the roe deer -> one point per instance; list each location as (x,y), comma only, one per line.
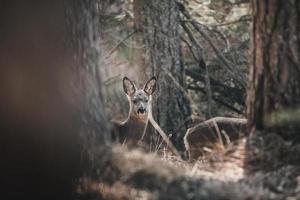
(134,130)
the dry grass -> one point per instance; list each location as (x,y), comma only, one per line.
(225,166)
(218,174)
(218,163)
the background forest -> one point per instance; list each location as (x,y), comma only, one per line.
(227,97)
(207,65)
(222,36)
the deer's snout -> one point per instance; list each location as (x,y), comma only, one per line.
(141,110)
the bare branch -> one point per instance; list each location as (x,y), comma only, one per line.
(219,133)
(213,31)
(163,135)
(220,101)
(204,133)
(119,43)
(245,18)
(235,94)
(235,73)
(201,63)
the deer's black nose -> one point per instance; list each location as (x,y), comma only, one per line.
(141,110)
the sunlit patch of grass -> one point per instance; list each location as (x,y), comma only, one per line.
(225,164)
(283,117)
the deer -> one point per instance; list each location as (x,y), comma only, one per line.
(134,129)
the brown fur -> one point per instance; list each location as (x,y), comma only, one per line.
(131,132)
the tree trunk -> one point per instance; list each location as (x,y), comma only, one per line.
(51,107)
(84,28)
(274,86)
(160,26)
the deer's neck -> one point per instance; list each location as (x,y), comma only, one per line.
(141,119)
(132,117)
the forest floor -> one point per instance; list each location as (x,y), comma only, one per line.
(215,170)
(224,165)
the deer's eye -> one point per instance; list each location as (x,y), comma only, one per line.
(146,100)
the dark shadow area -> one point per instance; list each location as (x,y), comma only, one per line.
(39,144)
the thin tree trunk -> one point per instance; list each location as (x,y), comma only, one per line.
(160,27)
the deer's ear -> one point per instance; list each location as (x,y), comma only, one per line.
(150,86)
(128,86)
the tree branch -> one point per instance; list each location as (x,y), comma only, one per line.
(241,19)
(236,74)
(221,102)
(201,63)
(236,94)
(119,43)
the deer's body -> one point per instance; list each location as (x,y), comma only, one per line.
(134,131)
(131,131)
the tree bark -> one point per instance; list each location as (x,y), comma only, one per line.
(160,26)
(274,86)
(51,111)
(84,28)
(84,25)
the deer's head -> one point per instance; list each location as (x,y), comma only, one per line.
(139,99)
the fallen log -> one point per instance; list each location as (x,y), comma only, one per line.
(207,134)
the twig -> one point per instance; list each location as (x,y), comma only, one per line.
(119,43)
(186,120)
(234,93)
(241,19)
(163,135)
(177,84)
(201,63)
(190,48)
(209,91)
(218,132)
(199,55)
(217,100)
(144,131)
(226,137)
(213,31)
